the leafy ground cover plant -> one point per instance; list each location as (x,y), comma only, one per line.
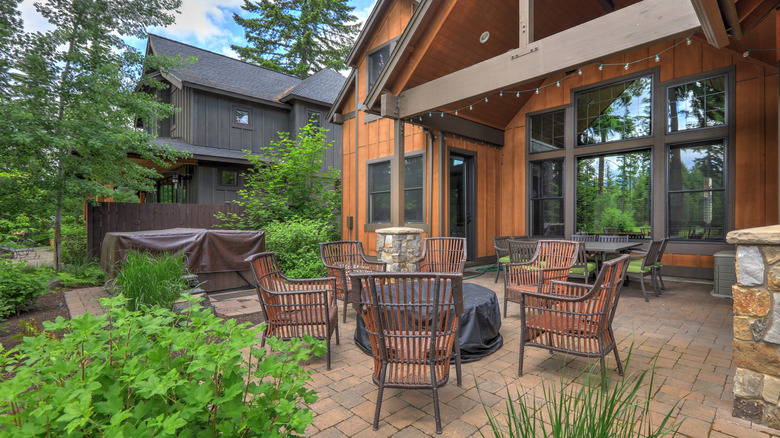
(82,271)
(155,373)
(19,286)
(151,280)
(588,409)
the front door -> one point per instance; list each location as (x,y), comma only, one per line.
(462,202)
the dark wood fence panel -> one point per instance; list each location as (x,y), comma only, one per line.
(110,217)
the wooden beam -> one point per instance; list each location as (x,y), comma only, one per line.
(729,10)
(526,23)
(711,22)
(465,128)
(397,176)
(389,106)
(607,5)
(641,24)
(753,13)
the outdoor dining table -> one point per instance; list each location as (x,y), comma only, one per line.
(605,248)
(479,325)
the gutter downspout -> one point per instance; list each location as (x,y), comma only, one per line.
(429,152)
(357,165)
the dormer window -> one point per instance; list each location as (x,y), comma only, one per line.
(242,117)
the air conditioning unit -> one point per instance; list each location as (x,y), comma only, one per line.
(725,274)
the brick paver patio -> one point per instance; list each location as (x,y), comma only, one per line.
(686,331)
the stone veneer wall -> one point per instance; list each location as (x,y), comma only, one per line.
(757,325)
(400,247)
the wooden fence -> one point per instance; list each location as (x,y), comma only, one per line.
(110,217)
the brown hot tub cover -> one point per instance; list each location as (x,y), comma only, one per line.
(206,250)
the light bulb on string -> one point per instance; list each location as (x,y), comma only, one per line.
(486,99)
(601,66)
(558,84)
(518,94)
(746,54)
(456,112)
(442,114)
(688,41)
(626,67)
(657,58)
(537,91)
(501,94)
(471,107)
(430,114)
(579,72)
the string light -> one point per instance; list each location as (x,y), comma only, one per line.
(746,54)
(471,107)
(501,94)
(518,94)
(657,58)
(456,112)
(486,99)
(537,91)
(579,72)
(601,66)
(626,67)
(688,41)
(430,114)
(442,114)
(558,84)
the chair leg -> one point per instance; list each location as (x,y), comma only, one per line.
(660,279)
(457,359)
(436,412)
(642,282)
(654,277)
(327,345)
(338,341)
(617,359)
(345,307)
(498,271)
(379,395)
(522,350)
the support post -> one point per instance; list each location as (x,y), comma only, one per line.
(397,176)
(526,23)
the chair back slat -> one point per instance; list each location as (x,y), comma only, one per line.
(584,237)
(521,251)
(412,320)
(443,255)
(618,239)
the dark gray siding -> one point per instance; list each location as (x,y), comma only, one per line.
(212,116)
(207,184)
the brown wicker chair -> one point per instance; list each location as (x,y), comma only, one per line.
(342,259)
(521,251)
(501,245)
(575,318)
(293,308)
(443,255)
(552,261)
(412,320)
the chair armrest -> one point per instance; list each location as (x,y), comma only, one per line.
(563,298)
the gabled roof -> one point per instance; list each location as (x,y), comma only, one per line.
(322,86)
(223,73)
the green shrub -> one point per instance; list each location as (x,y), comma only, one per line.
(589,409)
(150,280)
(614,218)
(82,272)
(19,286)
(296,244)
(74,240)
(155,373)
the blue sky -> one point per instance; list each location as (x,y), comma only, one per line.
(202,23)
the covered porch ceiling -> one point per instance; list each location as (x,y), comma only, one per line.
(442,63)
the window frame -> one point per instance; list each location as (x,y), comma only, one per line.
(309,113)
(392,43)
(233,121)
(373,226)
(697,78)
(530,130)
(562,197)
(235,186)
(724,189)
(652,74)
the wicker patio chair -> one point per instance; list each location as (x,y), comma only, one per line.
(412,320)
(659,264)
(583,268)
(501,245)
(643,264)
(293,308)
(443,255)
(521,251)
(584,237)
(552,261)
(342,259)
(575,318)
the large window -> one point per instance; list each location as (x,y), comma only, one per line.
(547,131)
(613,194)
(379,190)
(697,104)
(616,112)
(547,198)
(696,191)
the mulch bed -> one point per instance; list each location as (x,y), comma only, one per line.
(47,308)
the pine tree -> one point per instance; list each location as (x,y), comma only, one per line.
(298,37)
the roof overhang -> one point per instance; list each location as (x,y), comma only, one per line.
(363,39)
(336,107)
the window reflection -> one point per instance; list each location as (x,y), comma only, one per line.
(698,104)
(616,112)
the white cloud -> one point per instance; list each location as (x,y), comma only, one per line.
(202,20)
(33,21)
